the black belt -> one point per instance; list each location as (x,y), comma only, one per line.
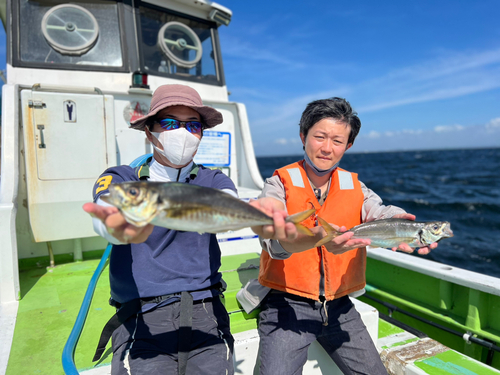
(131,308)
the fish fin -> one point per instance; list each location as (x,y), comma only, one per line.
(331,233)
(304,230)
(300,217)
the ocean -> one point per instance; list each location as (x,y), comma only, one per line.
(459,186)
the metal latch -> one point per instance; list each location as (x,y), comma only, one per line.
(42,139)
(36,104)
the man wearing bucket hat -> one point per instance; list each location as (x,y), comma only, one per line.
(166,284)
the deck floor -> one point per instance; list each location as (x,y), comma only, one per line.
(50,301)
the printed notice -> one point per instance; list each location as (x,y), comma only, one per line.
(214,149)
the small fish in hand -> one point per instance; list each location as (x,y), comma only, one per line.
(187,207)
(389,233)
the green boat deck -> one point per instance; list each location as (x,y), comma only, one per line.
(51,298)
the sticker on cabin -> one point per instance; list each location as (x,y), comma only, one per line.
(214,149)
(135,110)
(69,108)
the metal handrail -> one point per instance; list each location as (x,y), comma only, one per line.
(68,354)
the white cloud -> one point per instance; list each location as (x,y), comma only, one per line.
(450,75)
(284,141)
(373,134)
(246,52)
(411,131)
(495,123)
(281,141)
(440,137)
(448,128)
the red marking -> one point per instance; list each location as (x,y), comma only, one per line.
(137,112)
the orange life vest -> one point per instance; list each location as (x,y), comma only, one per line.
(316,271)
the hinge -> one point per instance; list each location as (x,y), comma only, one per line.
(36,104)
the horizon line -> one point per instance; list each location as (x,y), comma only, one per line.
(391,151)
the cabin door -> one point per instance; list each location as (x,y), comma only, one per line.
(68,142)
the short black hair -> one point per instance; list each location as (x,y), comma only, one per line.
(335,108)
(150,123)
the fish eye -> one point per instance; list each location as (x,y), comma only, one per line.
(435,227)
(133,192)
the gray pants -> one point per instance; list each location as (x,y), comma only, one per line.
(288,324)
(147,343)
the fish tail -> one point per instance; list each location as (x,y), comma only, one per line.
(304,230)
(331,233)
(300,217)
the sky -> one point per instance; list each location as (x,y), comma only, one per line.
(420,74)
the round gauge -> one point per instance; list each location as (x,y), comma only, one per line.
(70,29)
(180,44)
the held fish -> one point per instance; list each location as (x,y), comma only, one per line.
(186,207)
(389,233)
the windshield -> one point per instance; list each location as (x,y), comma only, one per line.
(83,33)
(176,46)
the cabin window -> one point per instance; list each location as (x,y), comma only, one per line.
(82,34)
(175,46)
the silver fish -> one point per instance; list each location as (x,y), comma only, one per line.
(389,233)
(187,207)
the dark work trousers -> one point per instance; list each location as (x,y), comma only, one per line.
(147,343)
(289,324)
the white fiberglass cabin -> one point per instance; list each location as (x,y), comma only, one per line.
(77,73)
(67,104)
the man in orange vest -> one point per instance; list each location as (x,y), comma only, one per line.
(310,286)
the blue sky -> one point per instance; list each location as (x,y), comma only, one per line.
(420,74)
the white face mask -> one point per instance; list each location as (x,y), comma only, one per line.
(179,145)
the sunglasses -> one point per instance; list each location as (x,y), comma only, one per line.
(194,127)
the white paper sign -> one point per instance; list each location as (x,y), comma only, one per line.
(214,149)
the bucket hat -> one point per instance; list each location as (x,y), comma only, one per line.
(170,95)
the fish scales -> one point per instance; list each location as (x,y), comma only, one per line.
(214,220)
(390,233)
(188,207)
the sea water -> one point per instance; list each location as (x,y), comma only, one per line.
(459,186)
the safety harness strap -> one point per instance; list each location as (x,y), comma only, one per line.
(126,311)
(131,308)
(185,325)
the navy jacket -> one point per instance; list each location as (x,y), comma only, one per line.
(169,261)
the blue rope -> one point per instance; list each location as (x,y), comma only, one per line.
(68,360)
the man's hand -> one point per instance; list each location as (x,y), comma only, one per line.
(116,224)
(407,249)
(343,243)
(280,230)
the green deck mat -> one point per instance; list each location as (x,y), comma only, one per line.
(51,299)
